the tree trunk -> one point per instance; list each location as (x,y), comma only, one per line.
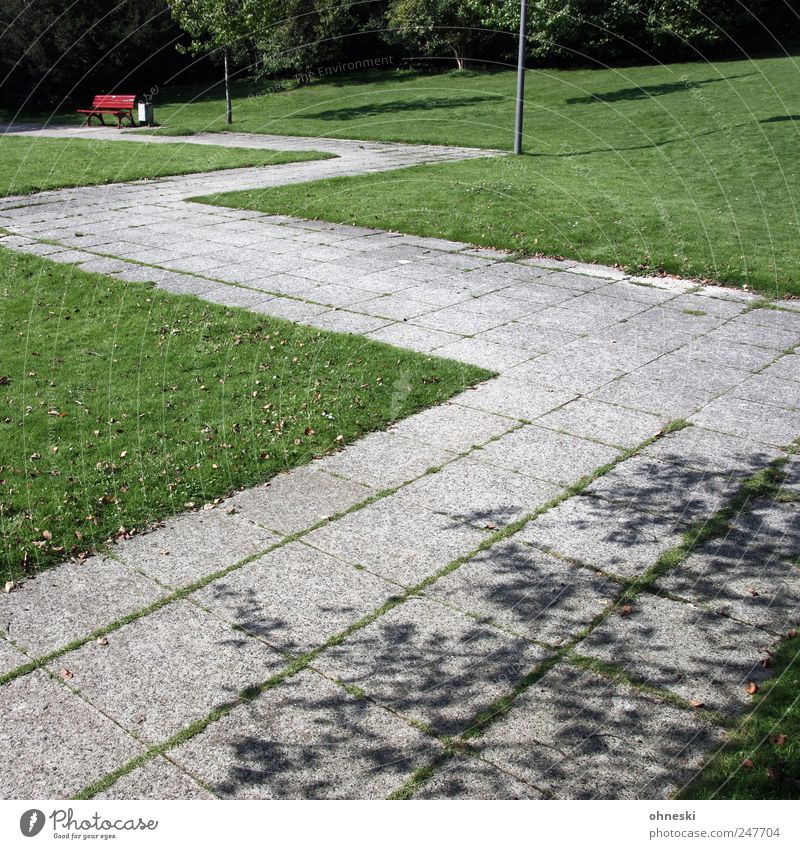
(228,104)
(461,62)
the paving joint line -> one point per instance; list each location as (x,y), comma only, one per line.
(305,660)
(760,481)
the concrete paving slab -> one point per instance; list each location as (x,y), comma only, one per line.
(505,396)
(384,459)
(474,779)
(697,654)
(158,674)
(608,536)
(528,592)
(737,577)
(604,422)
(480,494)
(677,493)
(547,455)
(749,420)
(58,606)
(52,743)
(398,539)
(306,739)
(296,500)
(774,526)
(579,736)
(657,398)
(156,779)
(194,545)
(431,664)
(453,427)
(711,451)
(296,597)
(10,657)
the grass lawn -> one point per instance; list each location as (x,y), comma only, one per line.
(690,168)
(762,758)
(120,404)
(30,164)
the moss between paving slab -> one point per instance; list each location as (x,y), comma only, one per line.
(722,776)
(303,661)
(762,484)
(121,404)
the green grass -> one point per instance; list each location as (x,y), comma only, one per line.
(29,164)
(761,760)
(689,169)
(121,404)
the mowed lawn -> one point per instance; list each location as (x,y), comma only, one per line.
(121,404)
(690,169)
(32,164)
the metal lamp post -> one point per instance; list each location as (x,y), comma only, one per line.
(523,20)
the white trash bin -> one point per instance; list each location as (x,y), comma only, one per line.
(145,114)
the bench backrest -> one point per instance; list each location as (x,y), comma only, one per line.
(114,101)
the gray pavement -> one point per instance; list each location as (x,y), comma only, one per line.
(271,651)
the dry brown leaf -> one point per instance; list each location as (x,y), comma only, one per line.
(780,740)
(696,703)
(47,535)
(751,688)
(10,585)
(102,641)
(65,673)
(625,610)
(747,764)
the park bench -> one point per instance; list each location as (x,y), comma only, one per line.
(118,105)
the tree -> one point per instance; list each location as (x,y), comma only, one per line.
(224,25)
(567,31)
(55,54)
(307,34)
(433,26)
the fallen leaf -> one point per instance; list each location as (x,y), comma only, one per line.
(747,764)
(780,740)
(625,610)
(65,673)
(696,703)
(751,688)
(47,535)
(102,641)
(774,773)
(791,633)
(10,585)
(752,591)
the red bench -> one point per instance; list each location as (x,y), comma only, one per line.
(119,105)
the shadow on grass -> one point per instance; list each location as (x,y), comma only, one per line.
(371,110)
(648,91)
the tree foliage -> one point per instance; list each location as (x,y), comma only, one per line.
(437,27)
(624,30)
(55,53)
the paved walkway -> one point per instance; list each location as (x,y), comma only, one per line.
(332,633)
